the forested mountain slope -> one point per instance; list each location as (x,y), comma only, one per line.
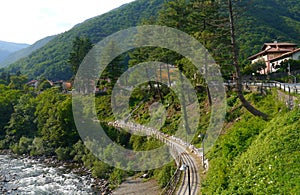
(258,22)
(51,60)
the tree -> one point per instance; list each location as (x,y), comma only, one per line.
(4,77)
(255,67)
(8,100)
(45,103)
(238,77)
(288,65)
(18,81)
(43,85)
(58,127)
(22,119)
(81,46)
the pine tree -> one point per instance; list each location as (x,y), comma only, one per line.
(238,77)
(81,46)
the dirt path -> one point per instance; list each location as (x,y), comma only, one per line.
(137,186)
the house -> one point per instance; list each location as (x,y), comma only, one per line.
(33,83)
(63,85)
(294,55)
(273,54)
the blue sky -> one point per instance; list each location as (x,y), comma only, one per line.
(27,21)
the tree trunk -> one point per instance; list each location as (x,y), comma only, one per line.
(239,86)
(150,84)
(183,106)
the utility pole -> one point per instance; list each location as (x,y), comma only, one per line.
(289,73)
(203,157)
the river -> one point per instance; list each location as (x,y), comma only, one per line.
(27,176)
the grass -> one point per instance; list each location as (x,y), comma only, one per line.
(256,156)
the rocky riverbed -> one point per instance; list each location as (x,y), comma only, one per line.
(32,175)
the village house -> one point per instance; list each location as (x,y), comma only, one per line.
(275,53)
(294,55)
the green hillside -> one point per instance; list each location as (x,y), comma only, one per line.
(51,60)
(256,156)
(258,22)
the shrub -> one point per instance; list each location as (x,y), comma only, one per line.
(23,147)
(165,174)
(116,177)
(63,153)
(39,147)
(100,170)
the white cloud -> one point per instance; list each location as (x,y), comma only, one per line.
(26,21)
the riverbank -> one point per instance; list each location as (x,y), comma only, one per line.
(98,186)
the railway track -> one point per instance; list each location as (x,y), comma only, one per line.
(181,150)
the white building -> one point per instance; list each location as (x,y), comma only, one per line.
(273,53)
(293,55)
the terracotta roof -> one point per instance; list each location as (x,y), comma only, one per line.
(273,50)
(278,44)
(279,50)
(289,44)
(285,55)
(269,50)
(258,54)
(31,82)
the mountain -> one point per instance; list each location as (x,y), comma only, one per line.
(6,48)
(51,60)
(257,22)
(15,56)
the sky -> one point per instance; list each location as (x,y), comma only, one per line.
(27,21)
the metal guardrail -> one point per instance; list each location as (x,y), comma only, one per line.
(286,87)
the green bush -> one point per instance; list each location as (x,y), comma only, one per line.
(78,151)
(63,153)
(3,144)
(116,177)
(23,147)
(165,174)
(40,147)
(100,170)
